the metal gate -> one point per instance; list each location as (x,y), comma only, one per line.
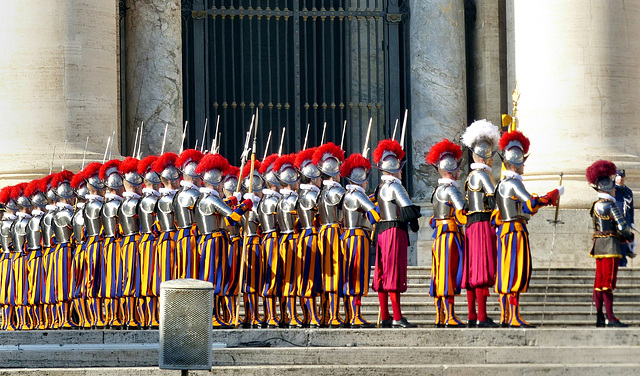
(300,62)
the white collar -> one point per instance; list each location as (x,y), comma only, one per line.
(9,217)
(390,179)
(150,191)
(353,187)
(606,196)
(480,166)
(446,181)
(285,191)
(78,205)
(23,215)
(512,174)
(51,207)
(112,196)
(36,212)
(330,183)
(268,192)
(167,191)
(130,194)
(188,184)
(63,205)
(309,187)
(210,191)
(91,197)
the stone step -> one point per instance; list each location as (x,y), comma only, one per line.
(542,280)
(551,288)
(563,317)
(525,297)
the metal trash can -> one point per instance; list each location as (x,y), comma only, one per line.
(186,320)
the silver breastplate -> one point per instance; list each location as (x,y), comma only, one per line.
(479,184)
(354,209)
(77,223)
(164,213)
(510,196)
(128,216)
(47,228)
(329,208)
(34,237)
(19,233)
(110,218)
(146,213)
(62,225)
(250,223)
(307,208)
(92,218)
(209,213)
(286,213)
(183,205)
(605,214)
(391,196)
(267,209)
(446,199)
(5,233)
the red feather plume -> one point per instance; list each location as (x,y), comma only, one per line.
(164,161)
(304,155)
(283,160)
(129,164)
(145,164)
(233,171)
(515,136)
(61,177)
(44,183)
(268,161)
(247,168)
(353,161)
(391,145)
(211,162)
(5,194)
(18,190)
(599,170)
(189,155)
(330,148)
(109,164)
(91,169)
(77,180)
(444,146)
(32,188)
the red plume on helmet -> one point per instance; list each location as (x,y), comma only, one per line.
(91,169)
(213,162)
(44,183)
(268,161)
(283,160)
(600,169)
(247,168)
(164,161)
(61,177)
(145,164)
(33,187)
(330,148)
(5,194)
(354,161)
(188,156)
(233,171)
(18,190)
(388,145)
(77,180)
(130,164)
(114,163)
(304,155)
(514,136)
(443,147)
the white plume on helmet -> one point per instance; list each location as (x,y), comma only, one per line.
(481,129)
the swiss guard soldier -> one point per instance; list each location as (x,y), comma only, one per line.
(111,282)
(148,240)
(93,245)
(447,220)
(234,250)
(611,229)
(479,270)
(359,213)
(310,282)
(19,266)
(6,271)
(327,159)
(288,177)
(183,206)
(272,264)
(78,265)
(130,256)
(48,259)
(515,206)
(624,199)
(396,213)
(62,221)
(253,263)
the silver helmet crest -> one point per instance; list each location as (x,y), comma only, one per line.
(39,199)
(389,162)
(212,176)
(64,190)
(152,177)
(514,153)
(230,182)
(288,174)
(481,137)
(133,178)
(24,202)
(170,173)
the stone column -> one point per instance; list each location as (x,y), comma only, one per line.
(154,72)
(577,68)
(438,83)
(59,82)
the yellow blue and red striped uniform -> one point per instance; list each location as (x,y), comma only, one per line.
(48,288)
(94,258)
(166,267)
(310,278)
(129,270)
(213,249)
(234,259)
(332,256)
(5,265)
(20,288)
(147,253)
(64,283)
(252,283)
(291,272)
(356,244)
(187,257)
(34,295)
(78,266)
(272,266)
(112,281)
(447,258)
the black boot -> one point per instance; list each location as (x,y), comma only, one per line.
(600,323)
(616,324)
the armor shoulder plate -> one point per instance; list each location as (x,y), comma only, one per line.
(355,200)
(269,204)
(148,204)
(480,180)
(62,218)
(165,204)
(187,198)
(514,187)
(288,203)
(34,223)
(92,210)
(334,195)
(110,208)
(308,200)
(210,204)
(129,207)
(455,197)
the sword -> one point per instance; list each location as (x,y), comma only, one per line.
(84,156)
(184,134)
(324,129)
(304,147)
(214,145)
(266,148)
(404,128)
(365,150)
(106,150)
(53,157)
(64,154)
(140,142)
(344,128)
(164,138)
(135,143)
(555,223)
(284,130)
(204,133)
(395,128)
(243,158)
(196,147)
(113,139)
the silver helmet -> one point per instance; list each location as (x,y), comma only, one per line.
(11,205)
(113,179)
(270,176)
(230,182)
(64,190)
(448,163)
(24,202)
(189,169)
(483,149)
(481,137)
(514,153)
(308,169)
(170,173)
(95,181)
(82,192)
(133,178)
(51,195)
(39,199)
(329,165)
(389,162)
(605,184)
(212,176)
(152,177)
(258,183)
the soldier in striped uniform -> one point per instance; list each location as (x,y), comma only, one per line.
(78,265)
(6,272)
(19,265)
